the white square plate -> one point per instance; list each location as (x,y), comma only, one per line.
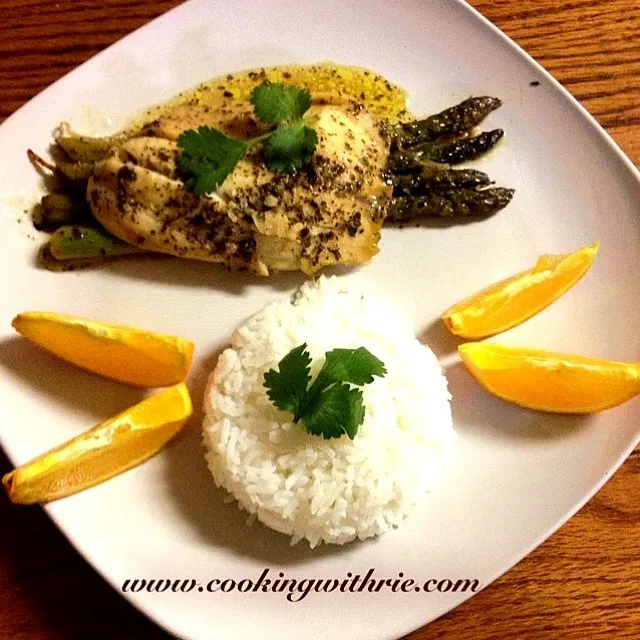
(517,476)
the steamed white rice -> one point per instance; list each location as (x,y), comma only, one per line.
(303,485)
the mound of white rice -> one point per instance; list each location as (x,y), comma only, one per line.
(303,485)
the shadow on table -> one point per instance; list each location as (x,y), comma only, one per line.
(48,588)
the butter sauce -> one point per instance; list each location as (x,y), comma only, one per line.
(325,81)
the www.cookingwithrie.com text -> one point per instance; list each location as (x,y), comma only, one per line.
(297,589)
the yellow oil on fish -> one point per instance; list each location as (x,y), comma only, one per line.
(376,93)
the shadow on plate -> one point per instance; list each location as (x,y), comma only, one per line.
(439,339)
(195,273)
(171,271)
(192,490)
(64,384)
(176,272)
(477,413)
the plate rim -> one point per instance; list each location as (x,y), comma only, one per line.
(152,613)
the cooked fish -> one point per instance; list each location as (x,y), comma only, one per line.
(372,163)
(329,213)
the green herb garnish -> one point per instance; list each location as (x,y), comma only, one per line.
(276,103)
(290,147)
(330,407)
(209,156)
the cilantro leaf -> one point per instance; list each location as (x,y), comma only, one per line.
(287,387)
(208,157)
(330,407)
(357,366)
(338,411)
(275,103)
(289,147)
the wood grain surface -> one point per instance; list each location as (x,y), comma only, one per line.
(583,583)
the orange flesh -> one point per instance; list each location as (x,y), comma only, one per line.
(510,302)
(129,355)
(548,381)
(104,451)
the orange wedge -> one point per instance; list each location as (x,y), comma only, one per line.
(137,357)
(547,381)
(108,449)
(509,302)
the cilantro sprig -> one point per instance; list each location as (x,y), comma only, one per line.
(331,407)
(276,103)
(209,156)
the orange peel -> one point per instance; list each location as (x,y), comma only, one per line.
(510,302)
(126,354)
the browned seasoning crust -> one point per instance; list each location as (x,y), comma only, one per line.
(328,213)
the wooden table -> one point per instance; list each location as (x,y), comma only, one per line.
(582,583)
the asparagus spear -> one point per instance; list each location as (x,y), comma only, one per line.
(454,121)
(70,264)
(85,148)
(437,178)
(462,150)
(462,202)
(76,170)
(455,152)
(71,170)
(74,242)
(57,209)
